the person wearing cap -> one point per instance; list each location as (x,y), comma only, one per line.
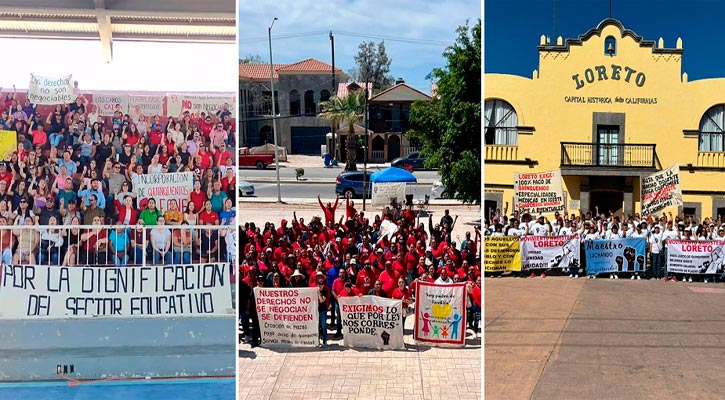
(48,211)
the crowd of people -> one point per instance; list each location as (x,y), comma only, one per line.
(353,256)
(73,166)
(655,230)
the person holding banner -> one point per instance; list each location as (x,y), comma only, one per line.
(323,296)
(403,293)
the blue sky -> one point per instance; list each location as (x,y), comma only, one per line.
(430,23)
(512,29)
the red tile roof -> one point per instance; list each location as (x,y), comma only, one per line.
(342,88)
(261,71)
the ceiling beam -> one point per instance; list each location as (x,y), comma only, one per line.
(116,13)
(104,30)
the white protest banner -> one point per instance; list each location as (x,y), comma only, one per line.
(176,103)
(440,314)
(384,192)
(165,187)
(387,229)
(288,316)
(110,103)
(50,90)
(574,205)
(539,193)
(695,256)
(145,105)
(661,190)
(539,252)
(372,322)
(39,291)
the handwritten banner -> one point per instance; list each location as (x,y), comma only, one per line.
(440,314)
(35,291)
(619,255)
(539,193)
(542,252)
(383,192)
(165,187)
(501,253)
(372,322)
(110,103)
(177,103)
(288,317)
(695,256)
(145,105)
(8,144)
(661,190)
(50,90)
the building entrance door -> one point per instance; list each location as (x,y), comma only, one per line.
(607,201)
(608,145)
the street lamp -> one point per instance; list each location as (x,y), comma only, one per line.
(274,113)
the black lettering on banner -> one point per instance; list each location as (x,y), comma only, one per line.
(63,282)
(38,305)
(21,276)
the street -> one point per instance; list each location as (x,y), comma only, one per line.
(315,173)
(325,190)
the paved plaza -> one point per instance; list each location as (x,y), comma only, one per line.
(562,338)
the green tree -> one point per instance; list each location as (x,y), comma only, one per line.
(449,125)
(350,109)
(251,59)
(372,65)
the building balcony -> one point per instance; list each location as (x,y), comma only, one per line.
(390,125)
(603,159)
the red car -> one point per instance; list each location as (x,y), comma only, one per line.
(260,161)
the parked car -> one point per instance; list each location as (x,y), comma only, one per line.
(247,159)
(413,159)
(245,188)
(352,182)
(437,191)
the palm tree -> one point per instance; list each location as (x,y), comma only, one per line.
(351,109)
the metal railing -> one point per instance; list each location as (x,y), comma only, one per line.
(608,155)
(410,149)
(378,155)
(117,245)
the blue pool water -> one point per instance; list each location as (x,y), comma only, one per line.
(197,389)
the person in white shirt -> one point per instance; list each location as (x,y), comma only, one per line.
(669,234)
(443,278)
(542,227)
(591,234)
(514,229)
(566,230)
(656,248)
(613,234)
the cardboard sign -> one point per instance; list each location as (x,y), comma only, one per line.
(8,144)
(372,322)
(288,317)
(539,193)
(164,187)
(35,291)
(50,90)
(440,314)
(661,190)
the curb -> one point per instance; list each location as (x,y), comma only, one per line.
(317,180)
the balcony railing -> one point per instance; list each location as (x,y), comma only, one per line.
(608,155)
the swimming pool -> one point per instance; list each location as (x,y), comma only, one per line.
(191,389)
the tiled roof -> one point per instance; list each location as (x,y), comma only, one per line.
(258,71)
(385,93)
(343,88)
(309,65)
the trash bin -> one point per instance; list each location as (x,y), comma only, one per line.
(326,157)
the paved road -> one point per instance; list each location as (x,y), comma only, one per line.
(560,338)
(311,190)
(288,173)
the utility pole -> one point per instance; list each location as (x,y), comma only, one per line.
(274,113)
(333,153)
(365,148)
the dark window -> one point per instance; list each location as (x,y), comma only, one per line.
(294,102)
(500,123)
(712,130)
(310,106)
(324,95)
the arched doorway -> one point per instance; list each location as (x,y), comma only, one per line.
(294,102)
(378,149)
(393,147)
(265,135)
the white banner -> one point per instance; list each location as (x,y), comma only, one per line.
(288,317)
(539,193)
(35,291)
(384,192)
(539,252)
(176,103)
(695,256)
(50,90)
(164,187)
(145,105)
(661,190)
(440,314)
(110,103)
(372,322)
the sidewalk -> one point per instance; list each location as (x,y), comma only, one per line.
(286,180)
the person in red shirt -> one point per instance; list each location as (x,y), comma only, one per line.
(5,176)
(389,278)
(403,293)
(197,196)
(349,207)
(329,210)
(229,182)
(207,216)
(221,155)
(474,293)
(349,291)
(205,126)
(204,157)
(40,138)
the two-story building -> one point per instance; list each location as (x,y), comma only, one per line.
(607,109)
(299,89)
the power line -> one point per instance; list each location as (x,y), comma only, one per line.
(395,38)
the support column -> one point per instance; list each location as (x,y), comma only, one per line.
(628,204)
(584,201)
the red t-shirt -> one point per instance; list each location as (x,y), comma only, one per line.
(39,138)
(352,293)
(402,294)
(198,199)
(389,281)
(205,160)
(208,217)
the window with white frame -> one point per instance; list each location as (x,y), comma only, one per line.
(501,123)
(712,129)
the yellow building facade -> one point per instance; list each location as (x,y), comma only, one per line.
(607,109)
